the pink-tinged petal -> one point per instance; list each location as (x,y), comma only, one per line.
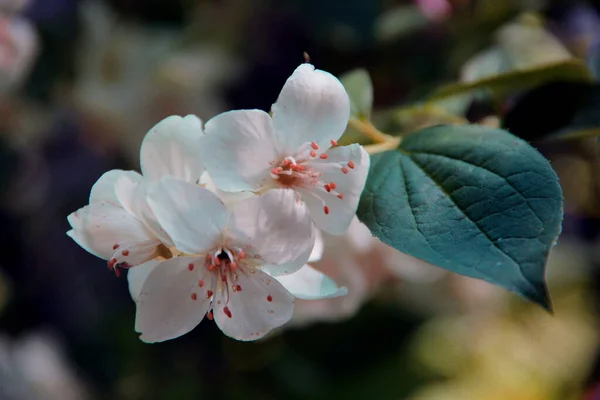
(173,299)
(347,167)
(275,226)
(172,148)
(104,188)
(192,216)
(239,149)
(260,305)
(136,277)
(313,106)
(229,198)
(104,227)
(309,284)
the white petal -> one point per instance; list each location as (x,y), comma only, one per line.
(229,198)
(134,197)
(239,149)
(313,106)
(103,227)
(192,216)
(350,185)
(172,148)
(262,305)
(276,226)
(317,251)
(136,277)
(309,284)
(104,188)
(171,302)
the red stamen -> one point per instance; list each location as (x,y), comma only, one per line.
(332,185)
(326,209)
(201,283)
(116,246)
(125,253)
(238,288)
(323,156)
(111,263)
(209,315)
(194,296)
(333,142)
(117,272)
(314,146)
(313,153)
(340,196)
(191,266)
(209,294)
(269,298)
(344,170)
(351,164)
(227,312)
(327,187)
(233,266)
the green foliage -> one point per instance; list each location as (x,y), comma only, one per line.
(476,201)
(360,90)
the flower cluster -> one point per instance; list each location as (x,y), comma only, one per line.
(223,218)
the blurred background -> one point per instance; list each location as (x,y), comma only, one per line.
(82,81)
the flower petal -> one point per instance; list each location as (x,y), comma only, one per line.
(104,188)
(134,197)
(276,227)
(341,202)
(313,106)
(261,305)
(309,284)
(192,216)
(136,277)
(317,251)
(172,148)
(239,149)
(103,227)
(171,302)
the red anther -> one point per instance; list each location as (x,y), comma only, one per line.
(211,267)
(326,209)
(201,283)
(314,146)
(351,164)
(116,246)
(191,266)
(327,187)
(209,294)
(340,196)
(332,185)
(238,288)
(233,266)
(194,296)
(269,298)
(125,253)
(313,153)
(217,261)
(117,272)
(209,315)
(344,170)
(323,156)
(227,312)
(111,263)
(333,142)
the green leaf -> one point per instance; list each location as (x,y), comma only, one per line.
(476,201)
(360,90)
(502,84)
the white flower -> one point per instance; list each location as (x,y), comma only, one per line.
(118,225)
(296,148)
(228,262)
